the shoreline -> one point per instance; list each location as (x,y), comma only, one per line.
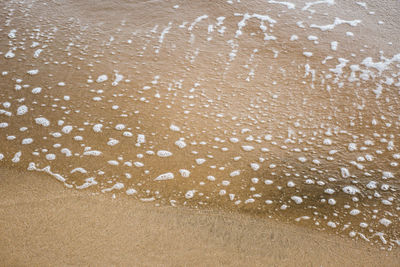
(234,111)
(48,224)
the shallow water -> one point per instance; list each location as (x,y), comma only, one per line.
(285,110)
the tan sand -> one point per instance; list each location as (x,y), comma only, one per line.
(44,224)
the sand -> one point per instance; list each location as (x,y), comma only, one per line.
(43,224)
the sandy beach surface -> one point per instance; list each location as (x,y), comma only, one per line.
(199,133)
(45,224)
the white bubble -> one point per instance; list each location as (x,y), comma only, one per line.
(22,110)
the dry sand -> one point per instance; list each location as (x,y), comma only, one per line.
(43,224)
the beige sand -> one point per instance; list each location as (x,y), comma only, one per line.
(44,224)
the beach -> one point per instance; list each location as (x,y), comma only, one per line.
(45,224)
(210,133)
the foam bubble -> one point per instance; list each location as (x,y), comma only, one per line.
(164,176)
(174,128)
(22,110)
(27,141)
(102,78)
(164,153)
(351,190)
(36,90)
(184,173)
(297,199)
(42,121)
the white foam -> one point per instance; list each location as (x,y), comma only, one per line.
(309,4)
(197,20)
(372,185)
(308,54)
(234,139)
(119,127)
(297,199)
(302,159)
(113,162)
(345,172)
(354,212)
(164,32)
(67,152)
(50,157)
(200,161)
(118,78)
(32,167)
(180,143)
(116,186)
(22,110)
(334,45)
(33,72)
(387,175)
(246,17)
(184,173)
(88,182)
(79,169)
(112,142)
(190,194)
(36,90)
(352,147)
(250,200)
(67,129)
(174,128)
(337,22)
(131,191)
(291,184)
(97,127)
(255,166)
(164,176)
(234,173)
(141,139)
(362,4)
(102,78)
(9,54)
(331,224)
(138,164)
(92,153)
(351,190)
(268,137)
(163,153)
(127,134)
(17,157)
(27,141)
(287,4)
(385,222)
(211,178)
(381,66)
(42,121)
(247,148)
(225,183)
(37,52)
(12,34)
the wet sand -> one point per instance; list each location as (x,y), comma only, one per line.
(45,224)
(277,119)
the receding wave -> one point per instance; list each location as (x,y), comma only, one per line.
(284,110)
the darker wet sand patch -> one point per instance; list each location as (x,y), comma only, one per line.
(45,224)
